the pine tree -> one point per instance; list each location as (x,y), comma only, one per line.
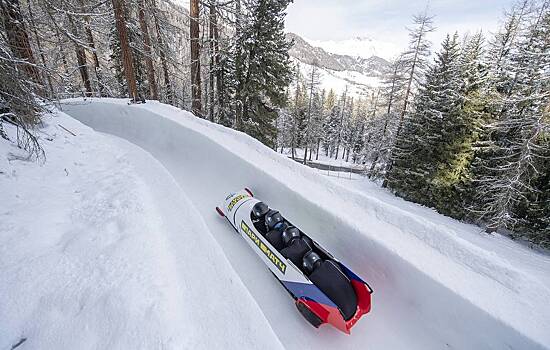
(512,160)
(432,134)
(264,68)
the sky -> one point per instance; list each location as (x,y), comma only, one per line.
(385,21)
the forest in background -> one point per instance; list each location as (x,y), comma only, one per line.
(464,130)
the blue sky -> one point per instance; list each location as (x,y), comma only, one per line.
(387,20)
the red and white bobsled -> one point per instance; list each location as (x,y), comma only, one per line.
(324,289)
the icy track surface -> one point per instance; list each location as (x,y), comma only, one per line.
(438,284)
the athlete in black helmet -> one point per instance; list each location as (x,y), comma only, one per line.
(259,210)
(311,261)
(290,234)
(274,220)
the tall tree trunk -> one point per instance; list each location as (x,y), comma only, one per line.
(238,69)
(80,58)
(341,121)
(18,40)
(127,59)
(313,70)
(62,52)
(153,90)
(39,45)
(196,104)
(93,51)
(318,147)
(219,72)
(213,38)
(163,60)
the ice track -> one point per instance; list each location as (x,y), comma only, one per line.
(432,290)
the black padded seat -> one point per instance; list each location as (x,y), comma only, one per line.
(296,251)
(275,237)
(331,280)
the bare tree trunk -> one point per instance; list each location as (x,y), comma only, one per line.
(313,70)
(392,91)
(341,121)
(93,51)
(39,44)
(238,70)
(294,117)
(213,38)
(196,104)
(318,147)
(163,61)
(80,58)
(63,56)
(91,44)
(127,59)
(219,73)
(18,40)
(153,90)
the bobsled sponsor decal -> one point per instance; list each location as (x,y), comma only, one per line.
(264,248)
(235,201)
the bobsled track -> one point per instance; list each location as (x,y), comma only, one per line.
(432,289)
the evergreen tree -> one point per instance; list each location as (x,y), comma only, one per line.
(512,162)
(432,134)
(264,68)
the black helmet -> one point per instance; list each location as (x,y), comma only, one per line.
(311,261)
(273,220)
(259,210)
(290,234)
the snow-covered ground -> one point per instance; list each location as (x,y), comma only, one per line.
(101,249)
(145,262)
(323,159)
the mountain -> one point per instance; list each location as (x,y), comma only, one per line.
(360,74)
(362,46)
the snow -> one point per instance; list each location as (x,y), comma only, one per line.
(323,159)
(359,46)
(358,83)
(94,276)
(101,249)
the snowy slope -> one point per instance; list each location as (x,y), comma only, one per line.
(101,249)
(359,46)
(358,84)
(437,285)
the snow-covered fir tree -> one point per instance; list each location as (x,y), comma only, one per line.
(512,162)
(265,68)
(433,134)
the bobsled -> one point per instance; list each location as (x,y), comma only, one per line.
(325,291)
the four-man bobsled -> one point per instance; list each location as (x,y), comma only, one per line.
(324,289)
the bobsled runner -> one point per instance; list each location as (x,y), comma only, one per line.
(324,289)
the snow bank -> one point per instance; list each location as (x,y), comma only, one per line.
(433,288)
(101,249)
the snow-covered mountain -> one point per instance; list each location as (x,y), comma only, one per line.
(360,74)
(362,46)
